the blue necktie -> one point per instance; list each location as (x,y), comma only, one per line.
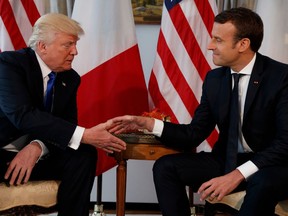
(233,134)
(49,91)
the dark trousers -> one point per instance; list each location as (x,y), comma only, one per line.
(173,172)
(76,171)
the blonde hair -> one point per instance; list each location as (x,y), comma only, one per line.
(48,25)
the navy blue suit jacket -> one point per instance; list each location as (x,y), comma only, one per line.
(265,120)
(21,101)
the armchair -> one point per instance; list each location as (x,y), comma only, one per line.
(232,202)
(33,196)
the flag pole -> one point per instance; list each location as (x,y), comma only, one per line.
(98,207)
(99,189)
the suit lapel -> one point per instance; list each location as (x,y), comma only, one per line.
(254,83)
(61,88)
(64,87)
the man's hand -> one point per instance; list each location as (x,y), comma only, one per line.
(220,186)
(99,137)
(20,168)
(127,123)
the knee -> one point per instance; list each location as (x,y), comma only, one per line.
(260,184)
(90,155)
(160,164)
(85,156)
(162,167)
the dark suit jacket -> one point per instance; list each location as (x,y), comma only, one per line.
(265,120)
(21,101)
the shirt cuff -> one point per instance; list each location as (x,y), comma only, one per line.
(158,127)
(76,138)
(45,150)
(247,169)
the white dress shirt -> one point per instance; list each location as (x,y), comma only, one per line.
(248,168)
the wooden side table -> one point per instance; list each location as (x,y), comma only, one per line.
(139,150)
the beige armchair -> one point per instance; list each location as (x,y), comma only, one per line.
(235,200)
(35,195)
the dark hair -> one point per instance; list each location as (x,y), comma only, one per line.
(248,24)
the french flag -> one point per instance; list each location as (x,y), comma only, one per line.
(108,61)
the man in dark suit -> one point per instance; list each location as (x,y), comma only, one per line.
(38,142)
(261,150)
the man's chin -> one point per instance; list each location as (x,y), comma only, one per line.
(217,62)
(68,67)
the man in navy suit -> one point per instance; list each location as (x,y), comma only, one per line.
(262,155)
(36,143)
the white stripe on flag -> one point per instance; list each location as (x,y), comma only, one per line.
(5,40)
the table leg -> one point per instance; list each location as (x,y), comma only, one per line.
(121,187)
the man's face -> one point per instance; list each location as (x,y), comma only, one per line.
(225,49)
(59,54)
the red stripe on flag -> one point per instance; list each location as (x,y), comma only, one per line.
(188,39)
(31,11)
(175,75)
(11,25)
(158,99)
(212,138)
(206,13)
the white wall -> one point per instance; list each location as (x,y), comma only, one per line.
(274,16)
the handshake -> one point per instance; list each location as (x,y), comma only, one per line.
(102,136)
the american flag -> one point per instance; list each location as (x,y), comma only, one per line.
(16,20)
(182,60)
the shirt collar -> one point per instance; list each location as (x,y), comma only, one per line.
(44,68)
(247,70)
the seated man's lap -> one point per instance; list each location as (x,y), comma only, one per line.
(270,180)
(192,168)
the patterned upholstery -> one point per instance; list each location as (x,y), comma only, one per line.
(34,193)
(235,200)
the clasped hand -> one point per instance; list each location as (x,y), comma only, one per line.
(128,123)
(99,137)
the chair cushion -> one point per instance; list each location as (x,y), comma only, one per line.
(40,193)
(235,201)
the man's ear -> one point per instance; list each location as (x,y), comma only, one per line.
(244,44)
(41,47)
